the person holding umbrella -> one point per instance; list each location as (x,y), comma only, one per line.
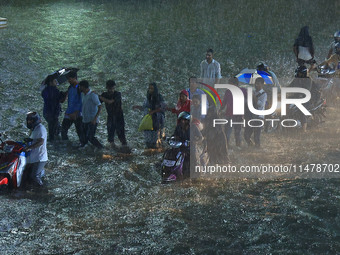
(52,106)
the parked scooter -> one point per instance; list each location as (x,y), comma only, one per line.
(175,161)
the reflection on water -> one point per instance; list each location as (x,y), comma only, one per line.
(114,204)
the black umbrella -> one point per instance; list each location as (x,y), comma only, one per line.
(60,75)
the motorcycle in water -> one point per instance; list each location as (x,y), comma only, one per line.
(12,163)
(318,112)
(175,161)
(329,83)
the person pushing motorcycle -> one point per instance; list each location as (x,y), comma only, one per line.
(333,62)
(302,80)
(37,157)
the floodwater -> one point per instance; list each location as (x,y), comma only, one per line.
(108,203)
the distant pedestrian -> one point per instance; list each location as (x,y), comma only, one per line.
(210,68)
(194,90)
(334,61)
(91,108)
(196,108)
(183,103)
(155,106)
(234,121)
(210,72)
(259,100)
(115,117)
(304,48)
(52,106)
(332,46)
(215,138)
(37,157)
(73,113)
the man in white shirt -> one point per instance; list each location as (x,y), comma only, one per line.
(37,157)
(260,98)
(210,69)
(91,108)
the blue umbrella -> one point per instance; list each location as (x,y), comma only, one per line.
(244,77)
(249,76)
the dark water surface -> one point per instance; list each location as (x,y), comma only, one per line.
(115,205)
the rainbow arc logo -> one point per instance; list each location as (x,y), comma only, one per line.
(213,90)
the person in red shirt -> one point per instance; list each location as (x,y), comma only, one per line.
(183,103)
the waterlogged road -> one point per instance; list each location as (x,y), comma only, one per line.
(194,217)
(107,203)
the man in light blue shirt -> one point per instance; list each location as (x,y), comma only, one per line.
(91,108)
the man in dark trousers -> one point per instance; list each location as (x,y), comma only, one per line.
(227,104)
(52,106)
(91,108)
(115,117)
(73,111)
(259,101)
